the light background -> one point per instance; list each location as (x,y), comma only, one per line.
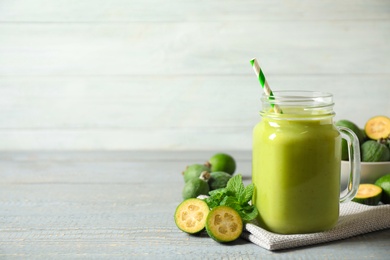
(175,74)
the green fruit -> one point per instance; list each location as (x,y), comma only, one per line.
(222,162)
(218,180)
(356,130)
(344,150)
(373,151)
(195,187)
(368,194)
(353,127)
(384,183)
(378,127)
(224,224)
(365,138)
(191,215)
(193,171)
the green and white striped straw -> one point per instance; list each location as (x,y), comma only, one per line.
(264,84)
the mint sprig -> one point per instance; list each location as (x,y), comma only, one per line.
(236,196)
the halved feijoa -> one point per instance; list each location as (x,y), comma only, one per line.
(191,215)
(224,224)
(378,127)
(369,194)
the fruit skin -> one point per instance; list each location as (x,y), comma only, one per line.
(191,215)
(373,151)
(218,180)
(222,162)
(368,194)
(384,183)
(356,130)
(344,150)
(377,127)
(224,224)
(193,171)
(195,187)
(353,127)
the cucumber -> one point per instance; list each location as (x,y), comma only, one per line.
(224,224)
(368,194)
(191,215)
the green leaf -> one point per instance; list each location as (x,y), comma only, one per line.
(246,196)
(249,213)
(236,196)
(235,185)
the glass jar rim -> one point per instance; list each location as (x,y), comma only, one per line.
(298,96)
(297,104)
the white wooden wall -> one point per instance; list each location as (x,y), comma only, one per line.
(175,74)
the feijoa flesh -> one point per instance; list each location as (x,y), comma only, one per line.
(368,194)
(378,127)
(224,224)
(191,215)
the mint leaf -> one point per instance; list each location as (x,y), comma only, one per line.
(231,202)
(249,213)
(236,196)
(235,185)
(247,194)
(216,196)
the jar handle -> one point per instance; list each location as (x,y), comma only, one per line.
(354,164)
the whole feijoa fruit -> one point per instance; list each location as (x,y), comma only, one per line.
(384,183)
(193,171)
(196,186)
(358,132)
(218,180)
(349,124)
(373,151)
(222,162)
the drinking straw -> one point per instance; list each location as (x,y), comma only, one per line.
(264,84)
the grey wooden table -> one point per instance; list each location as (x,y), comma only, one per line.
(121,205)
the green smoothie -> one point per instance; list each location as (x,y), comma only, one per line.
(296,173)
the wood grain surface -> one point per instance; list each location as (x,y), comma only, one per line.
(175,74)
(120,205)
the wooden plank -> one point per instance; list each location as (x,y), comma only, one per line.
(190,10)
(129,216)
(128,75)
(192,113)
(287,47)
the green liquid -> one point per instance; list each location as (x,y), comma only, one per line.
(296,173)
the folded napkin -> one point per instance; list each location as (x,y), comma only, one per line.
(355,219)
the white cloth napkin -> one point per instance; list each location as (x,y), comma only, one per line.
(355,219)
